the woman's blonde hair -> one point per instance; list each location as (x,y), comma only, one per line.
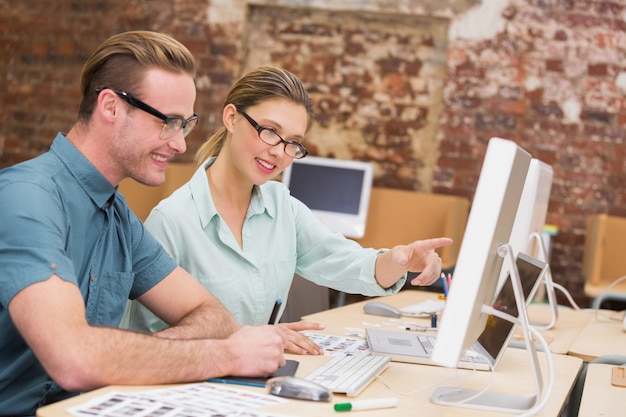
(261,84)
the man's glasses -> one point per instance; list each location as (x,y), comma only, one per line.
(171,124)
(268,135)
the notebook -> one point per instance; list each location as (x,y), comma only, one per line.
(412,347)
(289,369)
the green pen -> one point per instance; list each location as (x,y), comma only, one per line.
(367,404)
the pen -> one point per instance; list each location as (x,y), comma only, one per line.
(444,284)
(417,328)
(251,383)
(274,314)
(367,404)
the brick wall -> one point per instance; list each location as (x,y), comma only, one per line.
(417,87)
(549,81)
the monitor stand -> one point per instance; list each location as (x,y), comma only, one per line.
(547,282)
(496,401)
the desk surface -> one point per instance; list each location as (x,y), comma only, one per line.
(412,384)
(600,336)
(600,397)
(512,377)
(568,326)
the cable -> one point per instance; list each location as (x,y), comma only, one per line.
(489,385)
(604,294)
(544,257)
(567,295)
(456,376)
(544,344)
(548,391)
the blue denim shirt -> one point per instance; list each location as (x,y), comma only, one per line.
(61,216)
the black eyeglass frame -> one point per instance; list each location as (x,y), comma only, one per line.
(259,129)
(167,120)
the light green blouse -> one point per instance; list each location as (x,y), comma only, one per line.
(281,236)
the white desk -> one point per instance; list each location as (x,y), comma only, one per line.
(411,384)
(600,397)
(600,336)
(512,376)
(568,327)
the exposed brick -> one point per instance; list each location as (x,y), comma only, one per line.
(368,71)
(554,65)
(599,70)
(508,106)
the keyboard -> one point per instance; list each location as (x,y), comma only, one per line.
(349,374)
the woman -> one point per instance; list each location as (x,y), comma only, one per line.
(243,236)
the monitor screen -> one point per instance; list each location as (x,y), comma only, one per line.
(337,191)
(478,266)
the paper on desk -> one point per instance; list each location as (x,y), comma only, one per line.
(423,308)
(339,345)
(191,400)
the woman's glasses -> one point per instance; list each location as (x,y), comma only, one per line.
(268,135)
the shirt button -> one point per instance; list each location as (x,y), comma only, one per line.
(255,271)
(53,267)
(92,277)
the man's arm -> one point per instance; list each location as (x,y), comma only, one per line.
(50,315)
(195,314)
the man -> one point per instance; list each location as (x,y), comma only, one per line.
(72,253)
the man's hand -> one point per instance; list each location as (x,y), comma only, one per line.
(257,350)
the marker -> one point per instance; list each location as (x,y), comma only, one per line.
(417,328)
(433,320)
(274,314)
(367,404)
(445,284)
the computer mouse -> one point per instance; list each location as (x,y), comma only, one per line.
(377,308)
(298,388)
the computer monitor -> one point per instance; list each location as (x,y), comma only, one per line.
(337,191)
(527,234)
(469,305)
(478,266)
(532,211)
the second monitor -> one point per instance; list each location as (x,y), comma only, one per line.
(337,191)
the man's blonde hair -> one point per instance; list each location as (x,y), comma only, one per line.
(121,61)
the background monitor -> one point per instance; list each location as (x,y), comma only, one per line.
(477,271)
(337,191)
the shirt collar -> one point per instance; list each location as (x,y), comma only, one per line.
(204,201)
(88,177)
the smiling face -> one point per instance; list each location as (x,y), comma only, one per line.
(255,161)
(138,150)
